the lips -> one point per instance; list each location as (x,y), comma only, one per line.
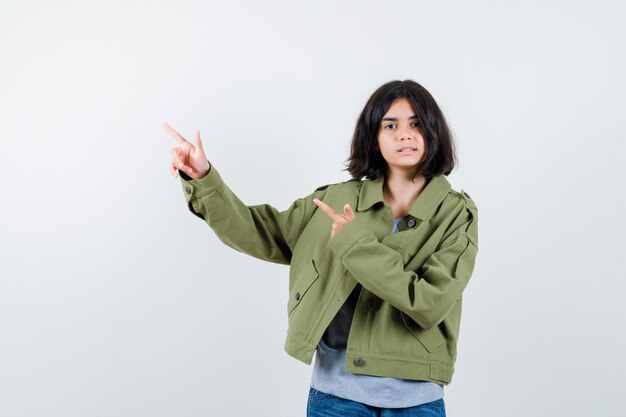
(407,148)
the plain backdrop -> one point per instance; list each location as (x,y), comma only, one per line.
(116,301)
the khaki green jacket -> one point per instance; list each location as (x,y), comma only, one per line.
(406,322)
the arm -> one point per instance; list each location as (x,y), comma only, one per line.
(426,298)
(258,230)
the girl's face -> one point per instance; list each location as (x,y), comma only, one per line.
(399,139)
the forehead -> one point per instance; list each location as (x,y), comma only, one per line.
(400,107)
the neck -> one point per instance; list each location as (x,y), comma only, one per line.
(400,188)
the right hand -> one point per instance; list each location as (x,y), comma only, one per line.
(188,157)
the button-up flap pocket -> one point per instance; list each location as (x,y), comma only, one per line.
(306,278)
(429,338)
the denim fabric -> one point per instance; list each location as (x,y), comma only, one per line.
(321,404)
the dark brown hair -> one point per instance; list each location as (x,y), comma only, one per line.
(367,161)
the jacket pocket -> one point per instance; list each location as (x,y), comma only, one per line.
(306,277)
(429,338)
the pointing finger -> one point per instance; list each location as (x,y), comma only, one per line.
(177,136)
(326,209)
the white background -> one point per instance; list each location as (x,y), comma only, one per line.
(116,301)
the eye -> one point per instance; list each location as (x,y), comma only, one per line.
(416,124)
(390,124)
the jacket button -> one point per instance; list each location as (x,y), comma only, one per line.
(412,223)
(359,362)
(297,296)
(188,190)
(371,304)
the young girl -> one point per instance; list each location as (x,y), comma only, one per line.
(378,263)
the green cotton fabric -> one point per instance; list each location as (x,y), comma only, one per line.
(407,318)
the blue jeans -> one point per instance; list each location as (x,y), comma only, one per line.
(322,404)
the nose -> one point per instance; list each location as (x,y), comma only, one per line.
(405,134)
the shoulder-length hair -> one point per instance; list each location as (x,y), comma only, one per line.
(367,161)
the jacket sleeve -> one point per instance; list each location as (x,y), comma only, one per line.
(426,298)
(259,230)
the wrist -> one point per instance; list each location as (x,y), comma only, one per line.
(196,175)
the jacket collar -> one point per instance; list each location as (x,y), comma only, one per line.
(433,194)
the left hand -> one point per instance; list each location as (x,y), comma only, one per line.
(339,220)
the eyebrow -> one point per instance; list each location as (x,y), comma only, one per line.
(395,119)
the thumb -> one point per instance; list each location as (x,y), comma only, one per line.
(349,212)
(198,142)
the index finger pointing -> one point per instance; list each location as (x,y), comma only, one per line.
(326,209)
(177,136)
